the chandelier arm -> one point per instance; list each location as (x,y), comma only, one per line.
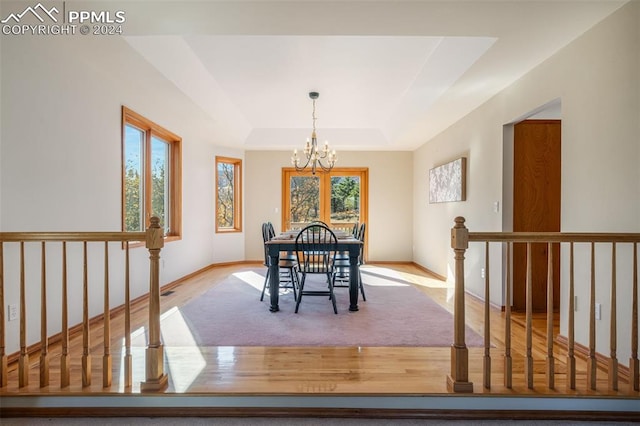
(325,168)
(300,169)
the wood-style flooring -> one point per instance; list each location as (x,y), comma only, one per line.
(314,370)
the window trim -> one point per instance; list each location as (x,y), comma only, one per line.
(130,117)
(237,194)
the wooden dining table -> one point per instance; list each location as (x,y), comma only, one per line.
(286,241)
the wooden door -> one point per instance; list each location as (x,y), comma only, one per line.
(536,207)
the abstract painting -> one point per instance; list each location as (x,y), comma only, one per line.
(448,182)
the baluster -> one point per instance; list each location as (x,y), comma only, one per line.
(458,381)
(634,365)
(23,363)
(128,360)
(486,362)
(4,366)
(65,367)
(106,357)
(86,354)
(529,329)
(44,341)
(550,358)
(592,364)
(613,360)
(508,362)
(156,379)
(571,359)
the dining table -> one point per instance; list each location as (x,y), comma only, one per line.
(286,242)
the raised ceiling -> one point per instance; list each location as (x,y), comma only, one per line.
(391,74)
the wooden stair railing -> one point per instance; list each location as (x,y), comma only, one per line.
(458,380)
(153,238)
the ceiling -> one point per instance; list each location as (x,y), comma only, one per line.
(391,74)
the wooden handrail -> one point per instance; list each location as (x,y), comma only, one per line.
(153,238)
(17,237)
(554,237)
(458,380)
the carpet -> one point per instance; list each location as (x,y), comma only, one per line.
(231,314)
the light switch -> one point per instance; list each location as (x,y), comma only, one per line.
(496,206)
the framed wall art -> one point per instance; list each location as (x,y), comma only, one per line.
(448,182)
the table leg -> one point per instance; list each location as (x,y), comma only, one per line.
(274,281)
(353,281)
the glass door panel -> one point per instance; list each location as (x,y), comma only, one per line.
(304,201)
(338,198)
(345,202)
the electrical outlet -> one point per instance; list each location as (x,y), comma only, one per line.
(13,312)
(598,311)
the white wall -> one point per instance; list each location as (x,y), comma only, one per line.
(597,80)
(61,163)
(390,192)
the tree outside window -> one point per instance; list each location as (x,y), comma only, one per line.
(228,194)
(151,175)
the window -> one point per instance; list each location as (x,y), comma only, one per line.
(338,198)
(151,175)
(228,194)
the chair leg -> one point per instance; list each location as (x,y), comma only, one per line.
(293,275)
(300,292)
(364,298)
(264,287)
(332,296)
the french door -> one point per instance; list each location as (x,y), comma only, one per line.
(338,198)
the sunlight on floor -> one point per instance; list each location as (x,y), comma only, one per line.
(184,367)
(386,276)
(252,278)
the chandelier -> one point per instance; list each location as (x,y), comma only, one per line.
(313,155)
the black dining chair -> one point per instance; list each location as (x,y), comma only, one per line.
(344,255)
(288,276)
(285,255)
(341,275)
(318,222)
(316,247)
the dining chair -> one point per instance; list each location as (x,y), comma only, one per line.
(316,247)
(288,276)
(341,275)
(344,255)
(286,255)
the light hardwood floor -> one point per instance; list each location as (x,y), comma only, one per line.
(326,370)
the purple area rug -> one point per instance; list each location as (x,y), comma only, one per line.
(231,314)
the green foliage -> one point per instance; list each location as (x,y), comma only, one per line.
(159,191)
(345,199)
(134,202)
(132,196)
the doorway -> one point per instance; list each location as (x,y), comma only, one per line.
(339,198)
(536,207)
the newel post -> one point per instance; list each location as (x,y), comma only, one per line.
(458,380)
(156,379)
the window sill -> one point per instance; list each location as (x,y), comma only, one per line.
(228,231)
